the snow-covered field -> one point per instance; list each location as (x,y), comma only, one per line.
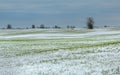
(60,52)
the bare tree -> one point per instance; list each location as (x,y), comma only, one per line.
(68,26)
(42,26)
(9,26)
(57,27)
(72,27)
(33,26)
(90,23)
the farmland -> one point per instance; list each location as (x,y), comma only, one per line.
(60,52)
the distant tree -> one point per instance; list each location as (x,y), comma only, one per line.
(57,27)
(90,23)
(9,26)
(105,26)
(42,26)
(72,27)
(33,26)
(3,28)
(27,27)
(68,26)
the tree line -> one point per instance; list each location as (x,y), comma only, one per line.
(42,26)
(90,25)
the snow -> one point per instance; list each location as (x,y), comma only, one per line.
(67,60)
(46,35)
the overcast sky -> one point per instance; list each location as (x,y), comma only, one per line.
(59,12)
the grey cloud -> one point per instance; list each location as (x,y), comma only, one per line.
(59,11)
